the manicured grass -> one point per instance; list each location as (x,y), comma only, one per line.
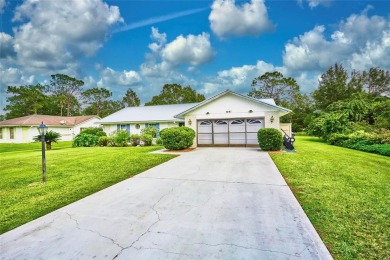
(36,146)
(345,193)
(72,174)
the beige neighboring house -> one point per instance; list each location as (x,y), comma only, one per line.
(23,129)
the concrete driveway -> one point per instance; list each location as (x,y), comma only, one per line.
(212,203)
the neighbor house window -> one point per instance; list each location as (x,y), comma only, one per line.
(12,133)
(1,133)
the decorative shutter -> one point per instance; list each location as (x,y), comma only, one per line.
(118,127)
(128,128)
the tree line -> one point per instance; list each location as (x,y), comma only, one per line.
(358,100)
(342,101)
(64,96)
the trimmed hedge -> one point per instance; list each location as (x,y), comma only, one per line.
(270,139)
(177,138)
(378,143)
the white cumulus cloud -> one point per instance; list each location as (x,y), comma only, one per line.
(359,42)
(166,57)
(111,78)
(228,19)
(238,79)
(6,46)
(193,49)
(54,34)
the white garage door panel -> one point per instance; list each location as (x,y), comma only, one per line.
(237,125)
(205,139)
(205,126)
(220,126)
(237,138)
(253,125)
(221,138)
(251,138)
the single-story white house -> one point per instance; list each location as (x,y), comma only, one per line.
(227,119)
(23,129)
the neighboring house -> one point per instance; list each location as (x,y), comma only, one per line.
(227,119)
(232,119)
(134,119)
(23,129)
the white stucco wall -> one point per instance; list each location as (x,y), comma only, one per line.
(267,122)
(26,134)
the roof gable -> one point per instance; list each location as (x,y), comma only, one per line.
(268,103)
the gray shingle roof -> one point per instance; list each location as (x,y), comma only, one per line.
(147,113)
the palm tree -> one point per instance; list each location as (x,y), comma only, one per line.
(50,136)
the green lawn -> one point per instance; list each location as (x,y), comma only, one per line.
(345,193)
(72,174)
(5,148)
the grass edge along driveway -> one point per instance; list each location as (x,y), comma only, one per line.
(72,174)
(345,194)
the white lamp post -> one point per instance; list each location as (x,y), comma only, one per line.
(42,129)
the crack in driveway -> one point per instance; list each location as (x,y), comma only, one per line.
(154,223)
(90,230)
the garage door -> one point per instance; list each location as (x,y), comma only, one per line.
(229,132)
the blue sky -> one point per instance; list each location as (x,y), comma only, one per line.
(209,45)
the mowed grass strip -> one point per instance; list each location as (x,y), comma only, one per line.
(345,193)
(72,174)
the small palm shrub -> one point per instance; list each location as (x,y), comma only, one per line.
(270,139)
(177,138)
(50,137)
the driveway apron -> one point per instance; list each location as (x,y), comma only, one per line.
(211,203)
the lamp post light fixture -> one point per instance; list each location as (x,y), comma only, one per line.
(42,129)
